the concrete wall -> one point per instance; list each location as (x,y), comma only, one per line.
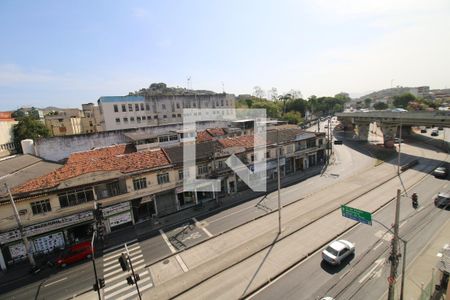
(59,148)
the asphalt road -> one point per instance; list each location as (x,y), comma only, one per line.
(364,276)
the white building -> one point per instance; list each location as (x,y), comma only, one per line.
(124,112)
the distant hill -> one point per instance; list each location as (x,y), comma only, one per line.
(161,89)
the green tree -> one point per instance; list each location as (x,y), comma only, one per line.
(380,106)
(298,105)
(367,102)
(403,100)
(29,128)
(272,109)
(293,117)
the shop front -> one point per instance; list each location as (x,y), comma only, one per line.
(45,237)
(144,208)
(118,216)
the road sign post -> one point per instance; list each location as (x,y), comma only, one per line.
(356,214)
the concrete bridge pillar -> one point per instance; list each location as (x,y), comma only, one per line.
(389,133)
(362,131)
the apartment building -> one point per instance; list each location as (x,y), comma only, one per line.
(123,112)
(7,145)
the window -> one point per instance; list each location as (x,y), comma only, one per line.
(130,107)
(163,178)
(139,183)
(138,119)
(163,139)
(203,169)
(149,117)
(118,120)
(131,119)
(252,157)
(41,207)
(116,108)
(155,117)
(165,117)
(163,106)
(142,106)
(178,105)
(268,154)
(180,174)
(174,115)
(173,138)
(75,197)
(147,106)
(226,102)
(144,118)
(220,164)
(125,120)
(136,106)
(124,108)
(221,102)
(179,115)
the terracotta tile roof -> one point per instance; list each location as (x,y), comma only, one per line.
(245,141)
(106,159)
(216,131)
(209,134)
(203,136)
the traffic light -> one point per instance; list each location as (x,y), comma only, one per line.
(130,280)
(101,282)
(415,201)
(124,262)
(98,212)
(100,231)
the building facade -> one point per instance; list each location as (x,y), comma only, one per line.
(124,112)
(7,145)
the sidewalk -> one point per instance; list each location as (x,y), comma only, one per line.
(421,277)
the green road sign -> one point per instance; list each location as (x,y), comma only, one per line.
(356,214)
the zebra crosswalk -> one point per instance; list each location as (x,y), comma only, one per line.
(116,286)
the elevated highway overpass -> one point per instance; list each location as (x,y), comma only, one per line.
(390,122)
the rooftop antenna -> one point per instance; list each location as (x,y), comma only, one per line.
(223,88)
(189,83)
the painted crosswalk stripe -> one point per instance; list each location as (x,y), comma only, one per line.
(124,281)
(108,256)
(198,224)
(134,292)
(133,257)
(116,292)
(109,280)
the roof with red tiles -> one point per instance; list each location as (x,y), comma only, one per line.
(106,159)
(245,141)
(209,134)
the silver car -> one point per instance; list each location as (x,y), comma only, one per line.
(337,251)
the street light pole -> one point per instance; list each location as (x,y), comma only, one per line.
(93,263)
(394,257)
(279,193)
(22,233)
(403,270)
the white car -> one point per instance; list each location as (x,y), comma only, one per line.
(337,251)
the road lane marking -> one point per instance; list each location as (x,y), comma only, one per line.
(169,244)
(233,213)
(130,249)
(420,208)
(120,275)
(52,283)
(116,248)
(403,223)
(181,262)
(377,245)
(199,225)
(135,266)
(378,262)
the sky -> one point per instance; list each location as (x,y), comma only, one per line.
(65,53)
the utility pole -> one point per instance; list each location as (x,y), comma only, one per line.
(399,150)
(279,192)
(97,284)
(394,255)
(22,233)
(403,270)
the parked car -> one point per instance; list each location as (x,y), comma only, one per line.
(440,172)
(337,142)
(74,254)
(337,251)
(423,131)
(442,199)
(434,132)
(440,128)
